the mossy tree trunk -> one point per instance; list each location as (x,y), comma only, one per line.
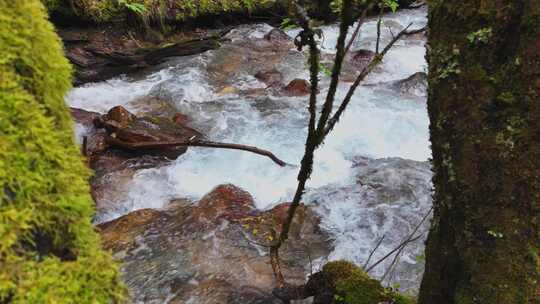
(484,107)
(49,250)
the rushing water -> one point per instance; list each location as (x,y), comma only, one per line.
(380,122)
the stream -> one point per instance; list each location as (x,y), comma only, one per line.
(385,126)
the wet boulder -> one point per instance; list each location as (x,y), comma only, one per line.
(354,63)
(270,77)
(276,34)
(297,87)
(145,134)
(361,58)
(209,252)
(92,139)
(415,85)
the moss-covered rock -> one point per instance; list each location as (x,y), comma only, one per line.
(49,251)
(351,285)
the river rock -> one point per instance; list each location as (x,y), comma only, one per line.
(152,106)
(208,252)
(361,58)
(354,63)
(415,85)
(297,87)
(136,134)
(270,77)
(277,35)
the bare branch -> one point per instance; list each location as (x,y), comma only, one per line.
(417,31)
(373,251)
(195,143)
(379,22)
(374,62)
(411,238)
(356,32)
(336,69)
(307,38)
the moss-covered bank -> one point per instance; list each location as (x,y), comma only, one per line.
(484,108)
(49,251)
(102,11)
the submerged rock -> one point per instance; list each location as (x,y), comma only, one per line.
(208,252)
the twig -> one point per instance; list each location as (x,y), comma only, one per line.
(373,251)
(379,22)
(417,5)
(398,247)
(310,260)
(411,238)
(84,147)
(336,69)
(396,257)
(195,143)
(417,31)
(306,165)
(356,32)
(392,268)
(374,62)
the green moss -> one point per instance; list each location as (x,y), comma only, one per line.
(50,5)
(156,10)
(352,285)
(49,251)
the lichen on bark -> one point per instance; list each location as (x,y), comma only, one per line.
(49,251)
(484,92)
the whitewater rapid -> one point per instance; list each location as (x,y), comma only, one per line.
(379,123)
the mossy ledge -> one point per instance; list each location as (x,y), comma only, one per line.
(155,11)
(351,285)
(49,251)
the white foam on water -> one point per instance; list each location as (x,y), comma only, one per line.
(375,125)
(102,96)
(379,123)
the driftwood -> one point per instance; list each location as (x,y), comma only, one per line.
(150,145)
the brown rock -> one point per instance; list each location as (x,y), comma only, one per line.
(120,116)
(270,77)
(297,87)
(225,201)
(181,119)
(151,106)
(137,134)
(277,35)
(361,58)
(84,117)
(207,252)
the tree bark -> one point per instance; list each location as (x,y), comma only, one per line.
(484,108)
